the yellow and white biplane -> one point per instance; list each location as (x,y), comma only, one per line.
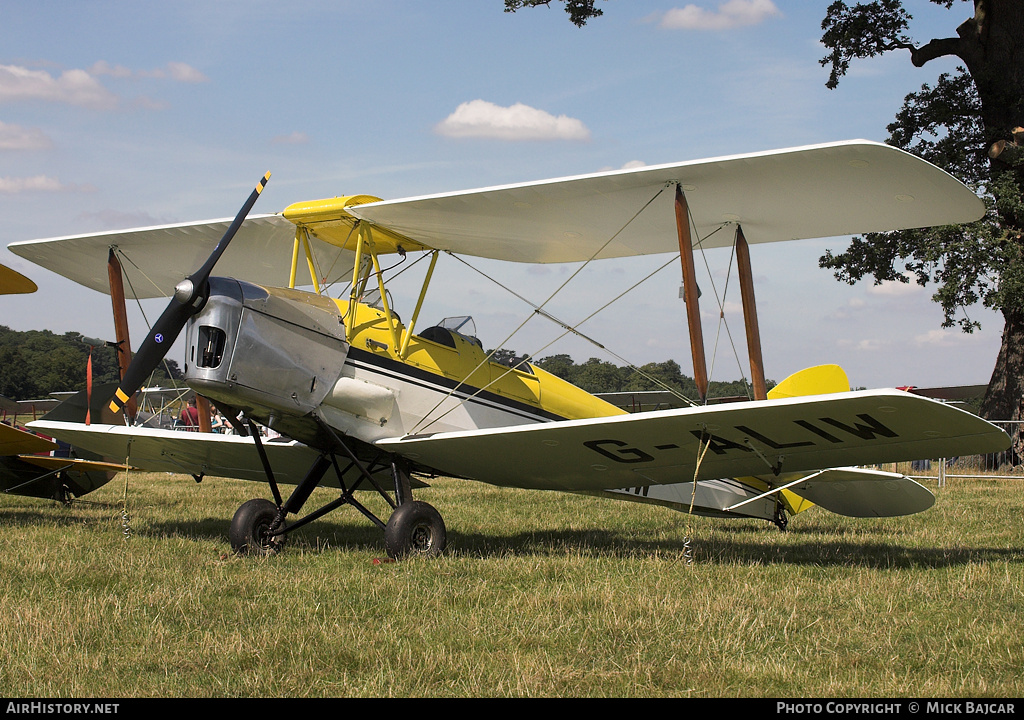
(365,400)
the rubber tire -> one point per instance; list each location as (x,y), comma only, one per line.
(251,520)
(415,529)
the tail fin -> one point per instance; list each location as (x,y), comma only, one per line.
(73,409)
(818,380)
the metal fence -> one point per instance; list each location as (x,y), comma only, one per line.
(1005,465)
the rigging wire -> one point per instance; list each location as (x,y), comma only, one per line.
(722,322)
(538,310)
(569,329)
(573,329)
(578,270)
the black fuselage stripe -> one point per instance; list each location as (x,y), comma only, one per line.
(438,383)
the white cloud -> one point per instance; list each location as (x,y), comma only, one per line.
(631,165)
(934,337)
(177,71)
(294,138)
(75,87)
(895,288)
(38,183)
(182,72)
(15,137)
(731,14)
(102,67)
(482,119)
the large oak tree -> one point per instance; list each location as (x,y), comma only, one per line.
(967,122)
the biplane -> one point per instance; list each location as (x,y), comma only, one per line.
(366,400)
(32,465)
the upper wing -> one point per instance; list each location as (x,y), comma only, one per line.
(732,440)
(157,258)
(810,192)
(194,453)
(13,282)
(815,191)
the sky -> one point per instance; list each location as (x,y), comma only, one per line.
(124,114)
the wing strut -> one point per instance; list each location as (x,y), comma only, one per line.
(774,491)
(691,295)
(117,301)
(750,316)
(700,370)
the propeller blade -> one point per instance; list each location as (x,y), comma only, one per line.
(189,297)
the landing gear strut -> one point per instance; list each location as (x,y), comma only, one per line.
(414,527)
(781,520)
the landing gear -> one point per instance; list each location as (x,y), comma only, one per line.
(414,528)
(781,520)
(252,527)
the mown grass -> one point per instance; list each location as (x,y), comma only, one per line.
(540,595)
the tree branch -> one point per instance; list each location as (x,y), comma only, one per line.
(934,49)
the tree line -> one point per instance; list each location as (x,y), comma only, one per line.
(35,363)
(600,376)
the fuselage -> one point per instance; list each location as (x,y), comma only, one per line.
(283,355)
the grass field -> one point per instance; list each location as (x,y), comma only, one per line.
(540,595)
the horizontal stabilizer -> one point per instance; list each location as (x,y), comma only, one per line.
(856,492)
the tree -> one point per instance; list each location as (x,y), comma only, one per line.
(969,124)
(35,363)
(579,11)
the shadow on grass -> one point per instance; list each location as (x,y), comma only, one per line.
(748,546)
(727,543)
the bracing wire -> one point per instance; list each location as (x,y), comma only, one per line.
(539,308)
(573,330)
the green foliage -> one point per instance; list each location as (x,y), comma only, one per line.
(951,125)
(579,11)
(865,30)
(600,376)
(35,363)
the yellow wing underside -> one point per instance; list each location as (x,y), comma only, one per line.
(329,220)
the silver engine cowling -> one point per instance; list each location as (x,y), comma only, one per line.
(272,353)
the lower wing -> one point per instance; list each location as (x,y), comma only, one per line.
(770,437)
(193,453)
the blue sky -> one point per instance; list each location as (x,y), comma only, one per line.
(121,114)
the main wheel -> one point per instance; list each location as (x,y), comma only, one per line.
(415,528)
(250,529)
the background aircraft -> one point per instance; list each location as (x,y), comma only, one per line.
(359,391)
(35,466)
